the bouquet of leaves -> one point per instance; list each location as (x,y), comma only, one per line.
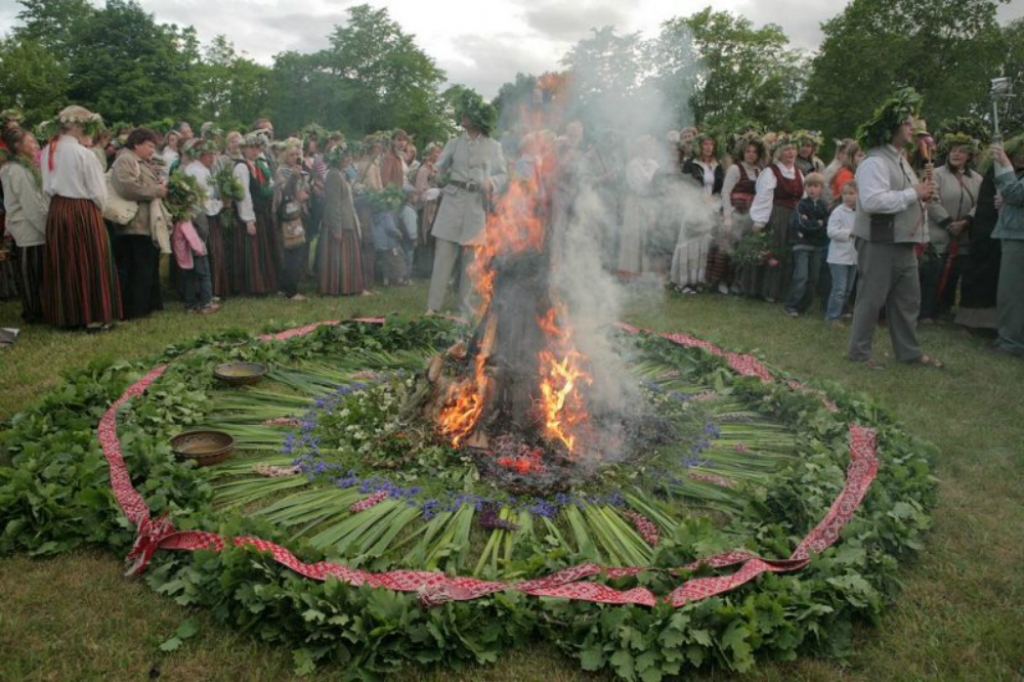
(388,199)
(183,193)
(230,191)
(755,249)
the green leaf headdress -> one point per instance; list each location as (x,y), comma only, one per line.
(783,140)
(887,118)
(812,136)
(481,114)
(963,131)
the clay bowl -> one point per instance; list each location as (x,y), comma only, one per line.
(240,373)
(205,447)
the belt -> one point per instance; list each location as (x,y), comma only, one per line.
(468,186)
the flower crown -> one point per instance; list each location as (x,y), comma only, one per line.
(963,131)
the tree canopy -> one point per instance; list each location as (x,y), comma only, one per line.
(712,68)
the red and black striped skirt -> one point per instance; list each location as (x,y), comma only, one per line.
(80,285)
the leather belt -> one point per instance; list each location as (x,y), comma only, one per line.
(468,186)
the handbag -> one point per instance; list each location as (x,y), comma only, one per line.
(293,234)
(117,209)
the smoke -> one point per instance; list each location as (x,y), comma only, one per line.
(624,222)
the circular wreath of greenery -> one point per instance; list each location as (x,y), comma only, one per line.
(57,496)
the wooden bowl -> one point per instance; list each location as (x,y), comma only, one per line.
(205,447)
(240,373)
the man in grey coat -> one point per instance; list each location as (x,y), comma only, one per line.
(889,225)
(476,170)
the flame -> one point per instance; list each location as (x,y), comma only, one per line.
(465,399)
(562,379)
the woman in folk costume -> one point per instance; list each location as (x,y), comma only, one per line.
(693,248)
(25,205)
(639,210)
(208,215)
(738,190)
(137,246)
(428,197)
(254,253)
(778,190)
(291,204)
(807,144)
(80,285)
(950,216)
(368,179)
(340,257)
(10,120)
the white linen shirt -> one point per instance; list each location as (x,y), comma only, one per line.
(76,174)
(873,186)
(764,198)
(841,250)
(212,206)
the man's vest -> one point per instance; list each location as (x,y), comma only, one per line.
(898,228)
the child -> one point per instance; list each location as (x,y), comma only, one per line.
(842,256)
(808,237)
(190,256)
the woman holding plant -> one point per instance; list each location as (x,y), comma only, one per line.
(778,190)
(136,244)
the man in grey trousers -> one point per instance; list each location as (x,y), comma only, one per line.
(889,224)
(476,170)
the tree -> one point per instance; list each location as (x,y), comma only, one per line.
(1011,119)
(745,74)
(610,84)
(946,49)
(386,81)
(512,97)
(31,79)
(232,89)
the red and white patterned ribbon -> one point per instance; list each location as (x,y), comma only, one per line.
(435,588)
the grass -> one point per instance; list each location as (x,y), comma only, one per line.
(961,615)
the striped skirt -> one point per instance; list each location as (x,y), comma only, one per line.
(217,248)
(255,258)
(80,285)
(340,264)
(30,270)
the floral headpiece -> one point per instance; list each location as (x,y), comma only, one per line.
(963,131)
(335,155)
(887,118)
(783,140)
(12,114)
(257,138)
(314,130)
(744,140)
(75,115)
(812,136)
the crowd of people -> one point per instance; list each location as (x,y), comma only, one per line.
(903,226)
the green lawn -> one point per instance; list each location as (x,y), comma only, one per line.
(961,615)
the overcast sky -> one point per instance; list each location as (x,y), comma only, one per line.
(479,43)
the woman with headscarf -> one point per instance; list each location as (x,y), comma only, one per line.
(80,284)
(778,190)
(25,205)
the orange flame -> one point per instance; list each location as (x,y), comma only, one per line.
(465,400)
(562,379)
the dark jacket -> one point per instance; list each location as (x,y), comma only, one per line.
(809,224)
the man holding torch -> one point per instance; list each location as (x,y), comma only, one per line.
(888,227)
